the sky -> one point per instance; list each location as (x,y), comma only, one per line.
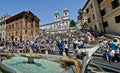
(43,9)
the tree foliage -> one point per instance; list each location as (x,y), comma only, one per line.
(72,23)
(84,25)
(80,11)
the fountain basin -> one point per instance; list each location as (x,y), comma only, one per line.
(20,65)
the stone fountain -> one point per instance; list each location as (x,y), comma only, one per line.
(5,55)
(30,63)
(34,63)
(31,57)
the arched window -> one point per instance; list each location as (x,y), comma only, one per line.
(26,24)
(12,26)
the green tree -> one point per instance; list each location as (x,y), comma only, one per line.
(72,23)
(84,25)
(80,11)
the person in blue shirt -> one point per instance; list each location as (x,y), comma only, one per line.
(115,49)
(114,46)
(61,47)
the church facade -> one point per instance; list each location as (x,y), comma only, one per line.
(60,24)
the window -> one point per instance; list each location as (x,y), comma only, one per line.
(16,33)
(32,19)
(95,27)
(117,19)
(91,6)
(26,17)
(12,33)
(56,16)
(105,24)
(93,16)
(32,24)
(87,10)
(16,18)
(65,13)
(89,20)
(21,24)
(99,1)
(12,26)
(21,16)
(26,24)
(26,31)
(9,27)
(102,12)
(115,4)
(16,25)
(15,39)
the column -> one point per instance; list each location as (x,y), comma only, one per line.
(97,15)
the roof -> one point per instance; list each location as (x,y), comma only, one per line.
(85,4)
(24,12)
(47,24)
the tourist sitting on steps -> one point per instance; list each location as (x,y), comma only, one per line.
(109,55)
(115,48)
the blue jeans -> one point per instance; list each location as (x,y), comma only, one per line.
(61,51)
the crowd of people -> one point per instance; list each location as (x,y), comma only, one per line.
(51,44)
(111,49)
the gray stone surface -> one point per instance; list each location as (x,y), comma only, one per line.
(103,63)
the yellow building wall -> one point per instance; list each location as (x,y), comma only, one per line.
(110,17)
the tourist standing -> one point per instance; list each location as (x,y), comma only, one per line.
(80,44)
(75,41)
(61,47)
(66,47)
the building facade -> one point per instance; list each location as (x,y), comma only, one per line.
(22,26)
(3,27)
(81,19)
(47,27)
(60,23)
(103,15)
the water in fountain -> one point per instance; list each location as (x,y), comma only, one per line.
(30,63)
(20,65)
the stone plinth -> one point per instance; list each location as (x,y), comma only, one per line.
(31,57)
